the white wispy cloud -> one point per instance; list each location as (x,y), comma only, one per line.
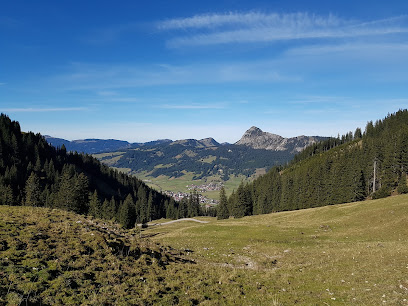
(251,19)
(192,106)
(42,110)
(319,99)
(213,29)
(2,84)
(109,78)
(356,48)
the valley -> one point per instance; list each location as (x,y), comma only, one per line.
(173,165)
(204,153)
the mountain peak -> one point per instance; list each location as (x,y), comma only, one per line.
(257,139)
(254,131)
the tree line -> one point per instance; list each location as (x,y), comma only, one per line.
(354,167)
(34,173)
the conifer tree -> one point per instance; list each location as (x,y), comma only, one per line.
(171,211)
(106,210)
(6,195)
(222,209)
(402,184)
(240,205)
(33,190)
(127,215)
(193,204)
(95,206)
(150,208)
(81,194)
(111,212)
(182,208)
(141,205)
(66,196)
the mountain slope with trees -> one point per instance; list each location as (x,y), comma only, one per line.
(347,169)
(34,173)
(89,146)
(206,157)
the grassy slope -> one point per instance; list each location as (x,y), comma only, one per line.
(53,257)
(344,254)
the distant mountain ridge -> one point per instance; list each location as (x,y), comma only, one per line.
(94,146)
(254,138)
(258,139)
(193,159)
(89,146)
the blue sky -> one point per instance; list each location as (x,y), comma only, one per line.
(146,70)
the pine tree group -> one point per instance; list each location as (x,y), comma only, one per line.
(34,173)
(345,169)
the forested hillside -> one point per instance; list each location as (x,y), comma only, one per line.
(172,160)
(89,146)
(34,173)
(351,168)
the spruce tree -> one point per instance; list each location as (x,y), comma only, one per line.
(6,195)
(150,208)
(95,206)
(240,205)
(182,208)
(33,190)
(127,215)
(171,211)
(141,205)
(106,210)
(222,209)
(402,184)
(81,194)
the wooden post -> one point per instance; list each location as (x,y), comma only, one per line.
(375,168)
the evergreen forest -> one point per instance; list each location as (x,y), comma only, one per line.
(34,173)
(174,159)
(365,164)
(354,167)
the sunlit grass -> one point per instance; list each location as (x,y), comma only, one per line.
(351,253)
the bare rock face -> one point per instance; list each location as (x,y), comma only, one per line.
(257,139)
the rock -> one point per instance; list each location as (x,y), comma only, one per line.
(257,139)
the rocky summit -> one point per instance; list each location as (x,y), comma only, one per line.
(258,139)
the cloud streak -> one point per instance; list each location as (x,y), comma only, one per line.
(109,78)
(192,106)
(251,19)
(43,110)
(215,29)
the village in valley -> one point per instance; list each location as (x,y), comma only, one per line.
(212,186)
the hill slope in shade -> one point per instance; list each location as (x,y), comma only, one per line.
(34,173)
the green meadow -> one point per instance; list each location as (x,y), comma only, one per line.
(349,254)
(336,255)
